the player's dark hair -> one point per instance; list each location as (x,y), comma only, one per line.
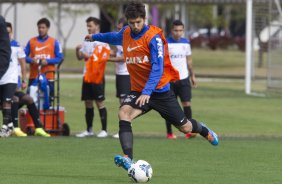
(9,25)
(94,20)
(135,9)
(44,21)
(177,23)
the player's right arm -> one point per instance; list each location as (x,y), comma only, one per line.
(27,53)
(113,38)
(21,59)
(78,53)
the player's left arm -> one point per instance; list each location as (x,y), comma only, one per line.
(21,58)
(191,71)
(157,61)
(190,65)
(59,56)
(23,70)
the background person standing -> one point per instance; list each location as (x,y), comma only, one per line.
(181,59)
(94,90)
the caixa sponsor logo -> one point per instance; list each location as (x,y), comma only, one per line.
(137,59)
(43,56)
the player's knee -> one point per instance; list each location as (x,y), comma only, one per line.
(186,104)
(186,128)
(29,99)
(26,99)
(88,103)
(15,99)
(124,115)
(100,104)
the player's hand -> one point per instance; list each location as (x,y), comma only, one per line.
(78,47)
(194,81)
(24,85)
(34,60)
(85,56)
(142,100)
(88,38)
(44,62)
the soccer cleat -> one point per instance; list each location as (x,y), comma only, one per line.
(102,134)
(116,136)
(124,162)
(41,132)
(19,133)
(85,134)
(171,136)
(190,135)
(212,136)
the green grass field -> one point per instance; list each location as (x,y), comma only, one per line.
(249,151)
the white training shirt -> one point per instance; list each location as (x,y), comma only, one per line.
(121,68)
(12,73)
(178,52)
(88,48)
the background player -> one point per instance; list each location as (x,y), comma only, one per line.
(93,91)
(44,50)
(181,59)
(147,59)
(20,98)
(8,80)
(122,75)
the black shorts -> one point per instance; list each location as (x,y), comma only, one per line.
(122,85)
(182,88)
(7,92)
(92,91)
(164,103)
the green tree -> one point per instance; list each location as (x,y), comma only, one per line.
(67,12)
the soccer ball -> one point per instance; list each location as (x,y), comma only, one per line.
(140,172)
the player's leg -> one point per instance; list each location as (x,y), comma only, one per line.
(15,106)
(122,90)
(169,133)
(25,99)
(185,94)
(128,111)
(168,107)
(87,97)
(103,117)
(99,96)
(195,127)
(7,92)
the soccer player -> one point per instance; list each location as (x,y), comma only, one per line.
(181,59)
(122,75)
(20,98)
(8,80)
(146,55)
(44,50)
(93,90)
(5,49)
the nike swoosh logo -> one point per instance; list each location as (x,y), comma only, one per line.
(41,48)
(133,48)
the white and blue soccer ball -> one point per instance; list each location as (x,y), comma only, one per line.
(140,172)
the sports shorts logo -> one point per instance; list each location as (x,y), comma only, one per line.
(129,98)
(133,48)
(41,48)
